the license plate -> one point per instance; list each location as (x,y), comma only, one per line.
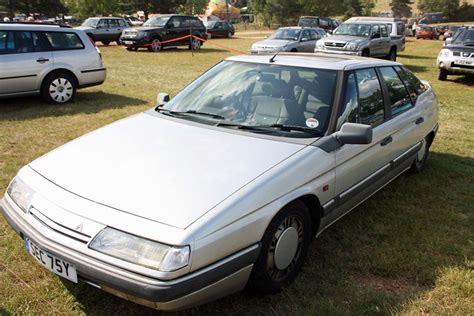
(128,42)
(51,262)
(464,62)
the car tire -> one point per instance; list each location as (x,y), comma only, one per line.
(443,75)
(195,44)
(155,45)
(422,155)
(59,88)
(106,43)
(365,53)
(284,247)
(294,50)
(393,54)
(229,34)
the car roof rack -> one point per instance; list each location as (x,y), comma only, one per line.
(37,23)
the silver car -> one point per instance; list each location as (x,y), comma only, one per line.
(457,57)
(260,155)
(289,39)
(105,30)
(52,61)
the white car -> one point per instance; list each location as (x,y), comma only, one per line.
(48,60)
(227,183)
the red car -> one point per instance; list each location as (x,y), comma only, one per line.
(425,31)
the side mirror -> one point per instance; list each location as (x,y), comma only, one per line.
(448,41)
(352,133)
(162,98)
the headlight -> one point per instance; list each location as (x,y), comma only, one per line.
(139,250)
(20,193)
(352,46)
(445,53)
(320,46)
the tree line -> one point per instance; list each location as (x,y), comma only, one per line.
(270,11)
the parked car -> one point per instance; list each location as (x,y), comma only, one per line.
(326,23)
(260,156)
(47,60)
(104,30)
(457,58)
(369,39)
(426,32)
(450,31)
(164,28)
(219,29)
(395,26)
(288,39)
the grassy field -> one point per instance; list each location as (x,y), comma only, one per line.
(409,250)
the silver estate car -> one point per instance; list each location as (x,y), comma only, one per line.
(260,154)
(289,39)
(49,60)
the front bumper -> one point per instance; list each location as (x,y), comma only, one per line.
(134,41)
(334,51)
(224,277)
(452,65)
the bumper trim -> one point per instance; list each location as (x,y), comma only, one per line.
(116,280)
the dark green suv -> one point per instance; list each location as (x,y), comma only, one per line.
(165,30)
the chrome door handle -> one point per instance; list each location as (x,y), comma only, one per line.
(42,60)
(386,141)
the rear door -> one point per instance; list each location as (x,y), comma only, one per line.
(25,57)
(114,29)
(102,30)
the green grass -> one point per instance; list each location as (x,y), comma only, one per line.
(408,250)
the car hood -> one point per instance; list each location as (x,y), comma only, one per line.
(84,28)
(161,169)
(460,48)
(273,43)
(345,39)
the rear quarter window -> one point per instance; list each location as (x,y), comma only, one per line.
(414,85)
(64,41)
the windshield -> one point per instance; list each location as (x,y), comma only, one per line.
(90,22)
(157,21)
(210,25)
(286,34)
(260,95)
(466,36)
(353,29)
(308,22)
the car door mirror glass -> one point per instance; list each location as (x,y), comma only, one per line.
(162,98)
(353,133)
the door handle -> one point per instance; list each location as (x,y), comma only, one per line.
(42,60)
(386,141)
(419,120)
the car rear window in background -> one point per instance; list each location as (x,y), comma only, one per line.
(370,97)
(64,41)
(400,100)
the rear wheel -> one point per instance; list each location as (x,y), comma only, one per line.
(294,50)
(155,45)
(284,246)
(422,155)
(106,43)
(195,44)
(58,88)
(443,75)
(229,34)
(393,54)
(366,53)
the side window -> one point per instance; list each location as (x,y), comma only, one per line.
(384,32)
(370,97)
(349,110)
(400,28)
(305,35)
(323,22)
(174,22)
(122,23)
(414,85)
(113,23)
(313,35)
(376,31)
(196,22)
(7,43)
(186,22)
(102,24)
(24,42)
(64,41)
(40,42)
(400,100)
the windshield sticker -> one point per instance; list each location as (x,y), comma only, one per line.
(312,123)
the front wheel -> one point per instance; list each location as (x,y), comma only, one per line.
(365,53)
(58,88)
(195,44)
(106,43)
(284,246)
(155,45)
(443,75)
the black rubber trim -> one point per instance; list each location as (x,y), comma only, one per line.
(18,77)
(93,70)
(86,85)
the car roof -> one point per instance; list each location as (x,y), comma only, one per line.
(364,22)
(373,18)
(104,17)
(317,61)
(35,26)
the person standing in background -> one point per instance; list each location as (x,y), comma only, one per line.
(413,28)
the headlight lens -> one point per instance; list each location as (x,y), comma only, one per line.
(20,193)
(320,45)
(140,251)
(352,46)
(446,53)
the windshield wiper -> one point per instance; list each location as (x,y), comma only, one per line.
(192,112)
(270,128)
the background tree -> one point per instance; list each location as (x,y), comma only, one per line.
(193,6)
(401,8)
(353,8)
(448,7)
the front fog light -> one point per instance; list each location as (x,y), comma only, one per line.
(20,193)
(141,251)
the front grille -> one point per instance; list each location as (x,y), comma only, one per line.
(464,54)
(334,44)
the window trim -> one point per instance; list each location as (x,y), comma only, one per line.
(387,97)
(65,49)
(381,90)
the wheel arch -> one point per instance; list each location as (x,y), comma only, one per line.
(313,204)
(61,70)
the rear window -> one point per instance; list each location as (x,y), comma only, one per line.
(64,41)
